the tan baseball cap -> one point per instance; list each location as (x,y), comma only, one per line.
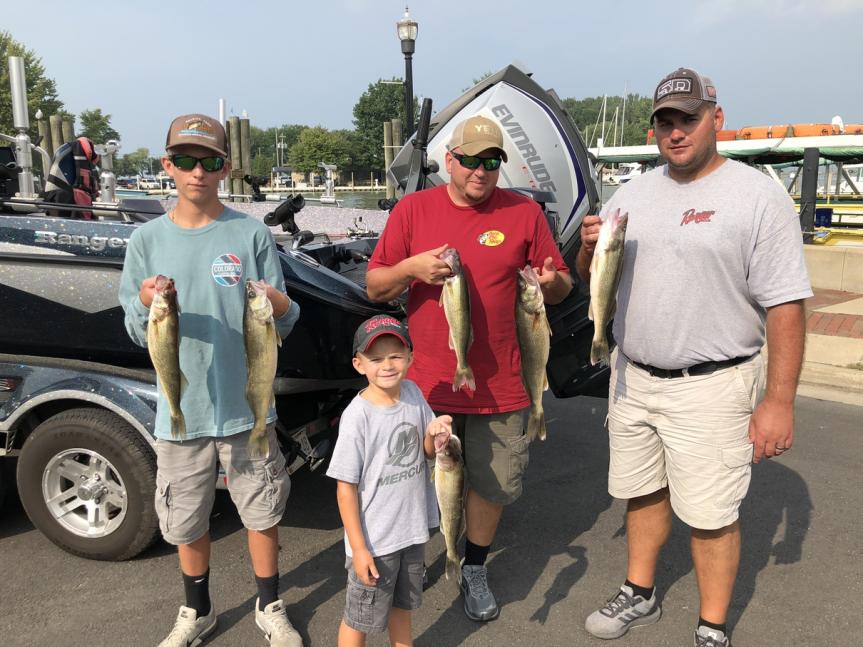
(477,134)
(684,89)
(199,130)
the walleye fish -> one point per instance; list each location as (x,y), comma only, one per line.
(455,299)
(262,342)
(163,343)
(533,331)
(604,277)
(449,487)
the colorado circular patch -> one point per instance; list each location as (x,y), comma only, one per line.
(227,270)
(491,238)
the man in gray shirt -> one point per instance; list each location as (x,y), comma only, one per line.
(713,256)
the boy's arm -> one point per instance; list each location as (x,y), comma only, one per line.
(285,310)
(133,282)
(349,509)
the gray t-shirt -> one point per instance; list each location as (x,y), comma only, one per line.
(702,262)
(381,450)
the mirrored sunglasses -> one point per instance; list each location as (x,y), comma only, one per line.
(472,161)
(210,164)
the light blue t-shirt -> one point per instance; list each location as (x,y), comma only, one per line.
(381,450)
(209,266)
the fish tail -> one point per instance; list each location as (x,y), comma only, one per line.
(536,425)
(178,426)
(599,352)
(463,376)
(259,442)
(451,566)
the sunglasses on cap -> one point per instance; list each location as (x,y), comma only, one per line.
(472,161)
(210,164)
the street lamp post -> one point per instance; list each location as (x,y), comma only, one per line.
(407,31)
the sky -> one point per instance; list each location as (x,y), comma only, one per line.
(772,61)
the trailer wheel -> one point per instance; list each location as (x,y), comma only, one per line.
(86,479)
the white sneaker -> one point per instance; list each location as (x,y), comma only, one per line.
(190,630)
(273,621)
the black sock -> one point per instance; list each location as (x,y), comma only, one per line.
(268,590)
(198,592)
(640,590)
(474,555)
(712,625)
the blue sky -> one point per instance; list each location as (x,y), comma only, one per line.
(773,61)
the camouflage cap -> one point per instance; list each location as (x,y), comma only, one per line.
(197,130)
(685,90)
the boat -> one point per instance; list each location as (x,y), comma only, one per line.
(625,172)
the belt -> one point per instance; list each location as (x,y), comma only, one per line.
(705,368)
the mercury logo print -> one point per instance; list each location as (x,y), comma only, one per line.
(227,270)
(403,445)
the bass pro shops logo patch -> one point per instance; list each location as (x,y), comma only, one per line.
(227,270)
(491,238)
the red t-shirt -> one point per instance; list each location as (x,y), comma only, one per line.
(494,240)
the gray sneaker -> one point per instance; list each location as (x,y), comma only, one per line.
(273,621)
(190,630)
(623,611)
(479,602)
(707,637)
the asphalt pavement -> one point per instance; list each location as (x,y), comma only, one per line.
(559,554)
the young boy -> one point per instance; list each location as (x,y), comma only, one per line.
(385,496)
(209,251)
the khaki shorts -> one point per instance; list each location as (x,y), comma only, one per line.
(400,585)
(495,453)
(689,433)
(186,484)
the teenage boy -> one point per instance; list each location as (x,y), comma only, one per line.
(210,250)
(385,496)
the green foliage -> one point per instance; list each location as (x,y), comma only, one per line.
(586,112)
(41,91)
(264,145)
(318,144)
(97,126)
(137,162)
(383,101)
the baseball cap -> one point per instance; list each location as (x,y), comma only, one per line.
(476,134)
(379,325)
(199,130)
(684,89)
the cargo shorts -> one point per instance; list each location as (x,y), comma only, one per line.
(495,453)
(400,585)
(186,484)
(689,433)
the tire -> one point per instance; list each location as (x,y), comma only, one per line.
(87,479)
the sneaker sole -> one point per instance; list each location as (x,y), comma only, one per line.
(643,621)
(469,614)
(201,637)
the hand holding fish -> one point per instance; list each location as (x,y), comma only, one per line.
(364,567)
(148,291)
(428,267)
(590,228)
(440,429)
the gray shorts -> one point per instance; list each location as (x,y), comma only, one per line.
(186,484)
(495,453)
(400,585)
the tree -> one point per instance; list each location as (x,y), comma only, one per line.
(138,162)
(383,101)
(585,112)
(97,126)
(41,91)
(318,144)
(264,145)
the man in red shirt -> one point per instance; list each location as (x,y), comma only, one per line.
(496,232)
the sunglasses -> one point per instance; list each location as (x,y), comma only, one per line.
(209,164)
(472,161)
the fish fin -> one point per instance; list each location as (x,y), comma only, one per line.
(548,326)
(451,342)
(178,426)
(452,568)
(545,381)
(536,426)
(278,340)
(599,352)
(463,376)
(590,310)
(612,310)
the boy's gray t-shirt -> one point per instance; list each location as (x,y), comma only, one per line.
(381,450)
(702,262)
